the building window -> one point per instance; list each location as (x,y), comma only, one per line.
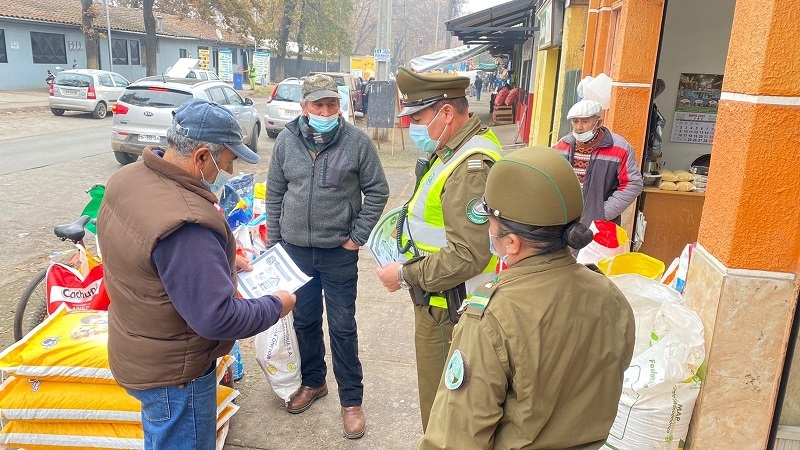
(234,54)
(215,58)
(48,48)
(134,53)
(119,50)
(3,54)
(182,52)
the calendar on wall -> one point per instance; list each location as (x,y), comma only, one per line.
(696,108)
(693,128)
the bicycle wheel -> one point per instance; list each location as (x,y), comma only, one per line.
(32,306)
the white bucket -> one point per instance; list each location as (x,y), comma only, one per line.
(599,90)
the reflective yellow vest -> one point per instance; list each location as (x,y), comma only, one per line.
(424,222)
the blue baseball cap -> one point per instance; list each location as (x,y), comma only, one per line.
(206,121)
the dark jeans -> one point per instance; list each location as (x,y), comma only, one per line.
(333,271)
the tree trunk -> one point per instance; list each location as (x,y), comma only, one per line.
(150,39)
(283,38)
(90,35)
(300,28)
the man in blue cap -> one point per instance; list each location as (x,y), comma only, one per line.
(169,262)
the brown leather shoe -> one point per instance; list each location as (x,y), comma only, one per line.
(303,397)
(353,421)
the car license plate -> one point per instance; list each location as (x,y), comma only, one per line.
(149,138)
(71,92)
(290,113)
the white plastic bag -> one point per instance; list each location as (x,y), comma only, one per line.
(609,240)
(277,354)
(663,380)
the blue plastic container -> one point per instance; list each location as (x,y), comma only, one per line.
(237,367)
(238,79)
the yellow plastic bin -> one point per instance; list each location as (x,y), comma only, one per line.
(633,262)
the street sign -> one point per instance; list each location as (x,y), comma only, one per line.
(382,55)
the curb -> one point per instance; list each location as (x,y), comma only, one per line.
(16,109)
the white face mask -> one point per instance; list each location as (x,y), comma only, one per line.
(586,136)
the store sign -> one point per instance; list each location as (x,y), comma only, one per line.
(527,50)
(550,17)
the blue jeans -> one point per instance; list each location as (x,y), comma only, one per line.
(333,271)
(180,417)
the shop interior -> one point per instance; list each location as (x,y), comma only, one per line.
(692,56)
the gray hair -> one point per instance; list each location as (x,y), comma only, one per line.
(459,104)
(185,146)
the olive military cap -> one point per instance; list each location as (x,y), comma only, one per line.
(319,86)
(534,186)
(421,90)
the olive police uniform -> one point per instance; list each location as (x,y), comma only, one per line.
(538,357)
(464,252)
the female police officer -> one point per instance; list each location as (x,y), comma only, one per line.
(538,357)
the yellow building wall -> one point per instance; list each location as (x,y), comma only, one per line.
(574,37)
(546,79)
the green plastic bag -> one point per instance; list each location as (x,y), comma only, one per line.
(96,193)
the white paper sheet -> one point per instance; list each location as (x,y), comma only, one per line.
(272,271)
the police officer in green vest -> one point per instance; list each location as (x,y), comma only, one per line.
(443,242)
(539,354)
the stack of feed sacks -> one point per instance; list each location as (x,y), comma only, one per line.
(58,391)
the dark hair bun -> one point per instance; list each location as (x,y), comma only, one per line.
(577,235)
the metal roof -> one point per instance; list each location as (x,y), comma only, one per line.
(505,24)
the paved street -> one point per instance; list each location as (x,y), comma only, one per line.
(46,164)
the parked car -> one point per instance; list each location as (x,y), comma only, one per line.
(86,90)
(347,79)
(143,112)
(283,105)
(185,68)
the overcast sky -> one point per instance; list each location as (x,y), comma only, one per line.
(478,5)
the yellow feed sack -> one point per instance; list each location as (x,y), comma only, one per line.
(222,365)
(226,415)
(225,396)
(23,398)
(67,346)
(35,435)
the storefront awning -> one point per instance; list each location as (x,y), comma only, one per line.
(446,57)
(505,24)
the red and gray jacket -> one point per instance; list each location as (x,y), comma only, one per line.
(612,181)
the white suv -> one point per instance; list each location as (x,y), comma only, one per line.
(283,105)
(143,112)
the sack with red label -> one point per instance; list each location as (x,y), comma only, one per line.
(66,285)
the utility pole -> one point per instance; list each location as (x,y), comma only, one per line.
(108,30)
(384,38)
(449,17)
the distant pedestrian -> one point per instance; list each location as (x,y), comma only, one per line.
(478,86)
(252,74)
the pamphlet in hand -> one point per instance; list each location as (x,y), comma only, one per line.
(272,271)
(382,241)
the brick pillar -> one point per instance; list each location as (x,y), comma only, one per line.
(743,280)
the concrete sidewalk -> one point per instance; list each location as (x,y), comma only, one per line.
(24,100)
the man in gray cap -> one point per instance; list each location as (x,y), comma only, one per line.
(604,163)
(443,241)
(169,261)
(321,166)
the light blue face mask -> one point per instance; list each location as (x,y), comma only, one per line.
(219,182)
(323,124)
(492,249)
(422,139)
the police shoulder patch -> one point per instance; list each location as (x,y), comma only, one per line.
(456,373)
(475,218)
